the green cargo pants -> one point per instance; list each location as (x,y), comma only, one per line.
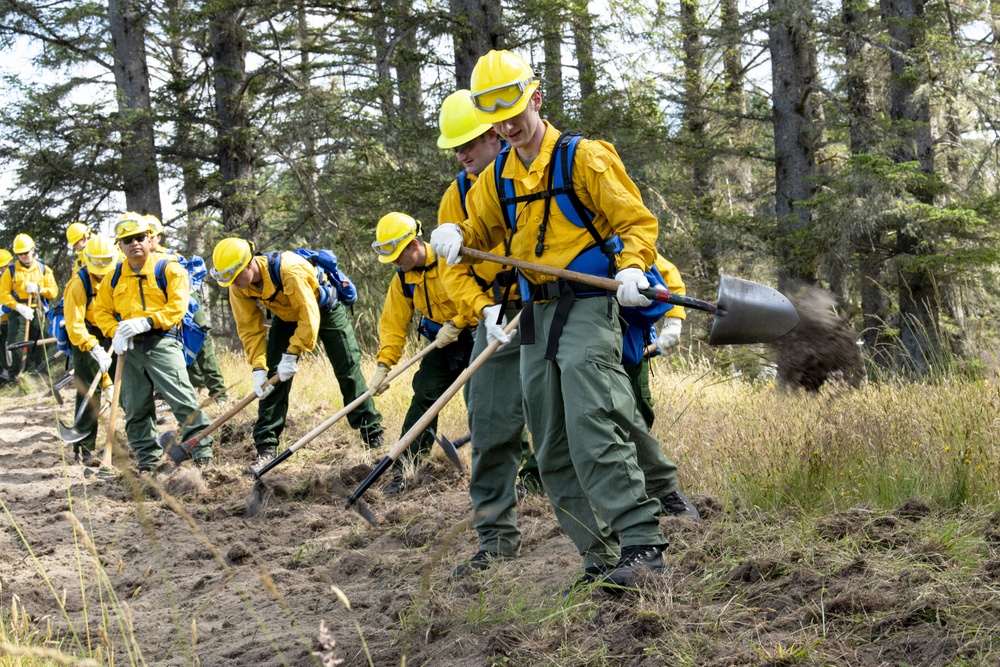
(438,370)
(26,359)
(342,349)
(84,370)
(3,338)
(205,372)
(660,472)
(580,410)
(158,365)
(496,419)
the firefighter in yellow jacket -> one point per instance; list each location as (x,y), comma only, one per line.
(287,286)
(143,320)
(5,259)
(575,390)
(25,288)
(77,235)
(420,282)
(90,345)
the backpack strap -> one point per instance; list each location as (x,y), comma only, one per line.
(274,270)
(464,185)
(408,289)
(160,273)
(88,286)
(117,275)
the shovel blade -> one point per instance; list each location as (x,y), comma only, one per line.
(450,449)
(176,451)
(69,434)
(750,312)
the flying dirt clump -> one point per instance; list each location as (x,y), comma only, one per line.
(821,348)
(185,483)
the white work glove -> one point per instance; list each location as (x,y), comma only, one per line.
(133,327)
(107,394)
(670,334)
(259,378)
(121,343)
(377,383)
(447,242)
(288,366)
(447,334)
(31,287)
(103,359)
(632,280)
(494,331)
(24,311)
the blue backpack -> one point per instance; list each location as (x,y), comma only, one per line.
(196,270)
(599,260)
(192,336)
(334,285)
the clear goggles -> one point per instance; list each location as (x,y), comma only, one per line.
(101,261)
(388,248)
(504,96)
(227,276)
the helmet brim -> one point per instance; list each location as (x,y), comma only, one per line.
(455,142)
(403,245)
(501,114)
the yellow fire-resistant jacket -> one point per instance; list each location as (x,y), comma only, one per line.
(433,290)
(296,302)
(138,295)
(602,185)
(14,290)
(79,314)
(474,281)
(672,277)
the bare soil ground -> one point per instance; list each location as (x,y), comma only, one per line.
(198,583)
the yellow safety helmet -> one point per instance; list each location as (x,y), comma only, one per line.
(22,244)
(130,224)
(75,232)
(5,258)
(155,226)
(458,121)
(502,83)
(393,233)
(229,258)
(100,255)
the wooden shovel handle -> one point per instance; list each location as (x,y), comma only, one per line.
(109,442)
(229,414)
(86,399)
(361,399)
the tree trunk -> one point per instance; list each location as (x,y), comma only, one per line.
(910,113)
(695,132)
(796,133)
(737,168)
(237,158)
(140,174)
(407,59)
(555,103)
(477,30)
(583,43)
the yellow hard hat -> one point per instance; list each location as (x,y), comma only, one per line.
(22,244)
(502,83)
(75,232)
(393,233)
(155,226)
(458,121)
(5,258)
(100,255)
(130,224)
(229,258)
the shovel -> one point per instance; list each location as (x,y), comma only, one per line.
(745,312)
(29,344)
(311,435)
(447,444)
(428,417)
(70,434)
(178,452)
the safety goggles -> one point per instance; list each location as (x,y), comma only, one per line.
(387,248)
(101,261)
(504,96)
(129,240)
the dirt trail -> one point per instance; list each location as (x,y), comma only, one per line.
(200,584)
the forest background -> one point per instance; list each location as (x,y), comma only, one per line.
(849,146)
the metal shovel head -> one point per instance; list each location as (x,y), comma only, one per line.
(749,312)
(176,451)
(68,434)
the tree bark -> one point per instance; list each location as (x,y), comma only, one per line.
(796,132)
(477,30)
(737,168)
(555,102)
(583,43)
(235,136)
(140,174)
